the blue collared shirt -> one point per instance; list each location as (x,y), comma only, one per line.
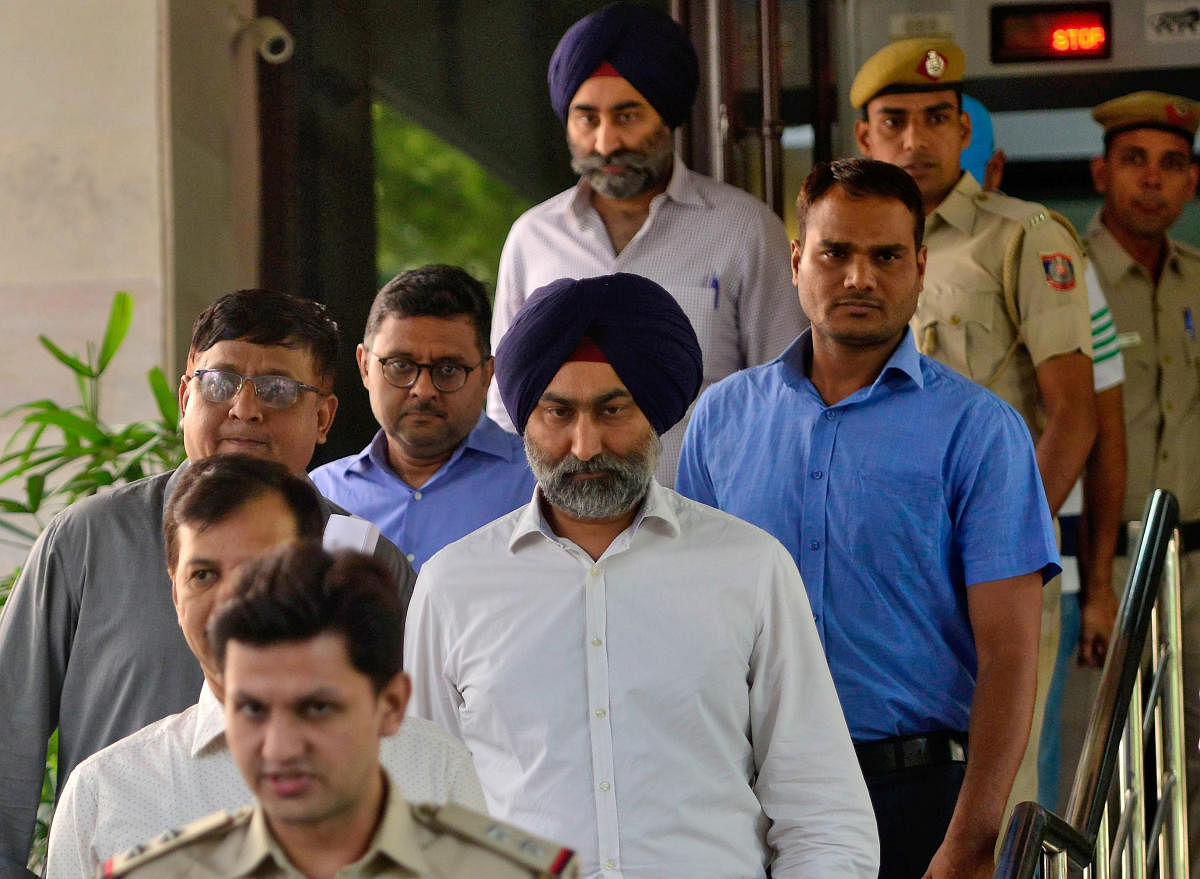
(893,502)
(486,477)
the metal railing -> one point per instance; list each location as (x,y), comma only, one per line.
(1150,838)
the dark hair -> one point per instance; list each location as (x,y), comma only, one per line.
(299,591)
(266,317)
(434,291)
(862,178)
(211,490)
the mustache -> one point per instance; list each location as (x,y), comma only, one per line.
(423,408)
(630,159)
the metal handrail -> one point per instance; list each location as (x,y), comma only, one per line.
(1035,834)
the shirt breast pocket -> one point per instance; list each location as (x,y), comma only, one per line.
(958,330)
(902,521)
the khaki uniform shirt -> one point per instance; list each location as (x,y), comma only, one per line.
(1157,333)
(416,842)
(961,316)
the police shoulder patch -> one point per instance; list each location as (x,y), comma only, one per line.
(1059,269)
(120,864)
(545,858)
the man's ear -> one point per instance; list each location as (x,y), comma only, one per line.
(862,137)
(364,361)
(1100,174)
(394,699)
(326,409)
(797,252)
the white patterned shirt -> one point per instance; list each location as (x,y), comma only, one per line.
(179,769)
(666,710)
(719,251)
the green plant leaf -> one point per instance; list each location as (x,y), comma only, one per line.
(164,396)
(72,363)
(35,490)
(119,318)
(27,536)
(72,425)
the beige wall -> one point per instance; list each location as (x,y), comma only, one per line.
(118,124)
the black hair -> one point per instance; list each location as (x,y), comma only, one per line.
(266,317)
(299,591)
(434,291)
(862,178)
(210,490)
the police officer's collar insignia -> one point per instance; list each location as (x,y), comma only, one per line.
(1060,271)
(933,65)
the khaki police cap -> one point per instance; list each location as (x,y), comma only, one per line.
(921,64)
(1149,110)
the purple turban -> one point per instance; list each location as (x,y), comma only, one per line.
(639,327)
(646,47)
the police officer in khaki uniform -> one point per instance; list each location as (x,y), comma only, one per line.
(1004,301)
(310,650)
(1146,175)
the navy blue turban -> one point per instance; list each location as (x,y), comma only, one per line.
(646,47)
(639,327)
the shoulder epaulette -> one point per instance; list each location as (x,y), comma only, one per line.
(119,865)
(1027,213)
(547,859)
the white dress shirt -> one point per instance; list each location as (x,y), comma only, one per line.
(665,710)
(719,251)
(180,768)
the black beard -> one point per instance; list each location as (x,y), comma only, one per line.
(622,487)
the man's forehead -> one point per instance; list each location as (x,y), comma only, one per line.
(269,520)
(912,102)
(233,353)
(1152,140)
(585,380)
(456,330)
(606,93)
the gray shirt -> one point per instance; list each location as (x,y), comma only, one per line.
(89,643)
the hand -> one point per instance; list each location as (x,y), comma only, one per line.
(1097,616)
(948,863)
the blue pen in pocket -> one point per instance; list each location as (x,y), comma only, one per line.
(1188,323)
(716,288)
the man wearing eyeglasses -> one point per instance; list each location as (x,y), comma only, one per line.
(89,641)
(439,467)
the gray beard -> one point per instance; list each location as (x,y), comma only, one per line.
(644,170)
(623,486)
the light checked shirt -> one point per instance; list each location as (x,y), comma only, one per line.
(180,769)
(665,710)
(719,251)
(486,477)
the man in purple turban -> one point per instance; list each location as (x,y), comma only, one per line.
(621,79)
(634,673)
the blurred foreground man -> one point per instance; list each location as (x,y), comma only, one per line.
(1146,175)
(911,502)
(621,80)
(1004,302)
(632,671)
(439,467)
(309,652)
(224,511)
(88,639)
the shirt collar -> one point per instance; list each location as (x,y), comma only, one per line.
(395,839)
(210,722)
(655,508)
(958,207)
(485,437)
(1113,259)
(905,360)
(681,188)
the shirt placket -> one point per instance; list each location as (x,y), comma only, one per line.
(600,723)
(814,540)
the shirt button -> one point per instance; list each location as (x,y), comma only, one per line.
(411,557)
(1169,406)
(1166,360)
(600,712)
(955,319)
(814,545)
(610,865)
(595,571)
(817,474)
(596,642)
(604,785)
(830,415)
(417,495)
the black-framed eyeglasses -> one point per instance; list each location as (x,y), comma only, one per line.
(275,391)
(446,376)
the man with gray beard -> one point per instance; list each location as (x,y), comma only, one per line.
(634,673)
(621,79)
